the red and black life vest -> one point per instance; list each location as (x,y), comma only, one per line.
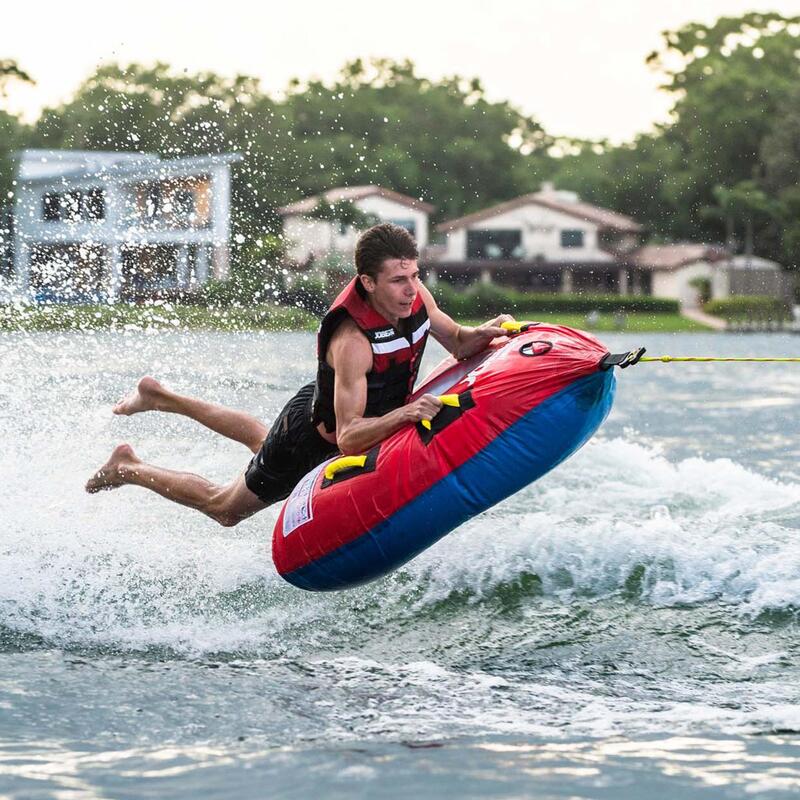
(396,354)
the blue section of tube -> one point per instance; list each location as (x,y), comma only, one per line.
(524,452)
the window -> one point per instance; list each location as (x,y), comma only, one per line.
(95,205)
(71,206)
(572,238)
(408,224)
(153,201)
(505,245)
(148,270)
(51,207)
(75,206)
(183,202)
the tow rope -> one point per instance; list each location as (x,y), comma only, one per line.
(623,360)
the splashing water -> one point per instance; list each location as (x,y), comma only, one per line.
(648,585)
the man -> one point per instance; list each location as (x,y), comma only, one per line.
(370,345)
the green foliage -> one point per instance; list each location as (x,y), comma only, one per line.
(310,291)
(489,300)
(442,141)
(721,167)
(703,286)
(345,212)
(160,315)
(749,309)
(11,71)
(780,155)
(363,127)
(255,276)
(13,133)
(724,167)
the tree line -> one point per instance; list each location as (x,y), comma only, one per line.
(724,168)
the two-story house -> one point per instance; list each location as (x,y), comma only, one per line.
(544,241)
(99,225)
(311,237)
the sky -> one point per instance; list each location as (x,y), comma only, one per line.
(577,66)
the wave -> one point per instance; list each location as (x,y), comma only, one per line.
(618,520)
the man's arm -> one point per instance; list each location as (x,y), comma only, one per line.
(351,359)
(461,340)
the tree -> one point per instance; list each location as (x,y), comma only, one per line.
(730,81)
(744,204)
(728,158)
(13,135)
(630,178)
(10,71)
(444,142)
(377,122)
(154,109)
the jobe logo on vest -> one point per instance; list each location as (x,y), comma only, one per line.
(383,334)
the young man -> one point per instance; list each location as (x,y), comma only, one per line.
(370,345)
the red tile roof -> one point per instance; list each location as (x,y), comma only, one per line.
(351,194)
(602,217)
(674,256)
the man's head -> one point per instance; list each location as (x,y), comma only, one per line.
(381,242)
(386,262)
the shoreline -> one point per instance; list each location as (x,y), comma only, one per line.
(159,316)
(269,317)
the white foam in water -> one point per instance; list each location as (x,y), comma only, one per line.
(700,530)
(128,569)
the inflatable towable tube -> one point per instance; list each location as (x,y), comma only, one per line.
(510,414)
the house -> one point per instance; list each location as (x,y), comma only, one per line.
(673,269)
(552,241)
(750,275)
(545,241)
(103,225)
(311,237)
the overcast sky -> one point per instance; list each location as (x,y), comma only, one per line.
(576,65)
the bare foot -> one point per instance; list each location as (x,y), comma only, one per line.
(113,473)
(144,398)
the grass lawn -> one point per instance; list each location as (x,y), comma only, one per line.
(634,323)
(265,317)
(161,316)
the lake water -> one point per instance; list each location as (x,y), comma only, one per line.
(624,628)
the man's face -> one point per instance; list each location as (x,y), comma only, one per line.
(394,290)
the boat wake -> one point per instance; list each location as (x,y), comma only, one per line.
(617,522)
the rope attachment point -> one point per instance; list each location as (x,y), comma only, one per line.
(622,360)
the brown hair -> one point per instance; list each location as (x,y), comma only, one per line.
(381,242)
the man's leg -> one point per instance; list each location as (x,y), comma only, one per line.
(150,395)
(228,505)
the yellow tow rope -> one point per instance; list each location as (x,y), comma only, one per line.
(667,359)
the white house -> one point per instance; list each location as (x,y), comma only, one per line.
(310,238)
(750,275)
(547,240)
(673,269)
(102,225)
(552,241)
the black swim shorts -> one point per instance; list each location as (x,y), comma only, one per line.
(293,447)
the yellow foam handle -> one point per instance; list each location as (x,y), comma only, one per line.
(515,326)
(345,462)
(446,400)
